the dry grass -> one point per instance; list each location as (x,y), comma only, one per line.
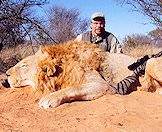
(20,51)
(142,50)
(10,56)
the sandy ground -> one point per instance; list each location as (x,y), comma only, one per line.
(137,112)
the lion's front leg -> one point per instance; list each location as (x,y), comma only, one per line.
(94,87)
(53,99)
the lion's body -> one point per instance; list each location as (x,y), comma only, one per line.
(71,71)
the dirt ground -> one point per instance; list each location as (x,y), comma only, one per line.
(137,112)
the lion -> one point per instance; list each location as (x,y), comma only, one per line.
(70,71)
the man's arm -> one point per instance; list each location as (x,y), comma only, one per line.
(78,38)
(116,47)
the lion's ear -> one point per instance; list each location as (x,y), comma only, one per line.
(41,53)
(51,71)
(51,67)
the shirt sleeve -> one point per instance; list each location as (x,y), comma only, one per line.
(78,38)
(116,47)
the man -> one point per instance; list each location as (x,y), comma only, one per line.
(106,40)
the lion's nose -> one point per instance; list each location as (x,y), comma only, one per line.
(5,83)
(8,72)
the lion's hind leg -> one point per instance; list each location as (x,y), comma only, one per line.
(94,87)
(155,68)
(153,75)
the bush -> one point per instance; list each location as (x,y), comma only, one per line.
(138,45)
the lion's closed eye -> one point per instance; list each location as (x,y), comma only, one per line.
(24,65)
(24,68)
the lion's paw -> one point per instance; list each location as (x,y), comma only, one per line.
(49,101)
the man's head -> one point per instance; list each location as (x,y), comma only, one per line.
(97,23)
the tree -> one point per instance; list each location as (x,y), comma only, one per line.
(150,8)
(156,35)
(17,21)
(65,24)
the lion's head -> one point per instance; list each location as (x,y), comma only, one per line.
(24,73)
(56,67)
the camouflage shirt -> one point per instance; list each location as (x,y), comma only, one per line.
(107,42)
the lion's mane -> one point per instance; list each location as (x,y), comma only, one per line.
(67,64)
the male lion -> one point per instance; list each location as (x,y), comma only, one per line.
(69,72)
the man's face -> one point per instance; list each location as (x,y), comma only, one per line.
(98,26)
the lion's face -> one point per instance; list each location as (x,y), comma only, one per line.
(24,73)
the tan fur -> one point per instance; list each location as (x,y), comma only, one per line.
(152,79)
(70,71)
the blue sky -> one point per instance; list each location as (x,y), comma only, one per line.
(121,21)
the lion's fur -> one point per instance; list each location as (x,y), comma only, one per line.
(152,79)
(70,71)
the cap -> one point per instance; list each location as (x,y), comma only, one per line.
(97,15)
